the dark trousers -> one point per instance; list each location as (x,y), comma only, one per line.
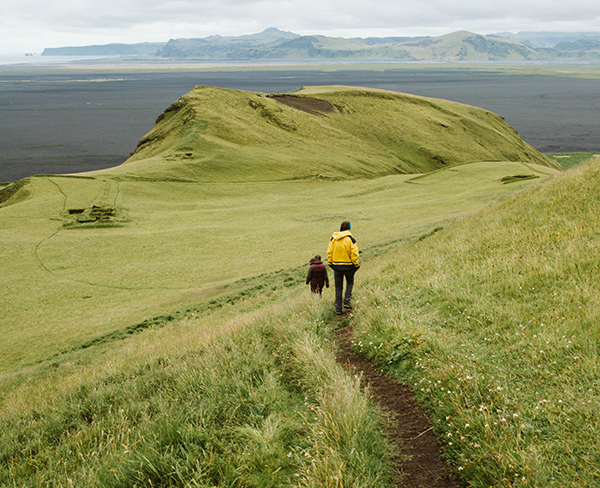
(339,276)
(317,289)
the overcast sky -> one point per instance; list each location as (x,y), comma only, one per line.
(32,25)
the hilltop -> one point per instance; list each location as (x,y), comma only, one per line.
(213,134)
(274,44)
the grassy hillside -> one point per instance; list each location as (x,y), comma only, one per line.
(201,204)
(213,134)
(156,326)
(164,246)
(457,46)
(494,321)
(233,397)
(571,160)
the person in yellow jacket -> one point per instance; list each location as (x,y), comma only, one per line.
(342,257)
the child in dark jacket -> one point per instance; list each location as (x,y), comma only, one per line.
(317,275)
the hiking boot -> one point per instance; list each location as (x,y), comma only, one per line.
(348,306)
(338,312)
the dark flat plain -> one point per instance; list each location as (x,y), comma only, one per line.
(56,123)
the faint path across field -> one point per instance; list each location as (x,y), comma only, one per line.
(418,453)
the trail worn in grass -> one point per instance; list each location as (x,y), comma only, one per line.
(417,457)
(226,399)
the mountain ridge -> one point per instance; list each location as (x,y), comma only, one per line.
(276,44)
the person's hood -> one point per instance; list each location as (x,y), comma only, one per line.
(340,235)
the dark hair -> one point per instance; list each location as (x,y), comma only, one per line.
(345,226)
(317,257)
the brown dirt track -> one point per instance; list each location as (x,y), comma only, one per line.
(418,454)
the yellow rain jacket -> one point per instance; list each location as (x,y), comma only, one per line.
(342,251)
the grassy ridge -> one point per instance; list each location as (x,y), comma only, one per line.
(317,132)
(494,322)
(223,387)
(75,265)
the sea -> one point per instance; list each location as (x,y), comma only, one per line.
(68,121)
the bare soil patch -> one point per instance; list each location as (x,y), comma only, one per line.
(310,105)
(418,457)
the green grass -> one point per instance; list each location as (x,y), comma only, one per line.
(157,329)
(179,245)
(570,160)
(235,399)
(245,391)
(215,135)
(494,322)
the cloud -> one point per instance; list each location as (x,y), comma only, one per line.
(67,22)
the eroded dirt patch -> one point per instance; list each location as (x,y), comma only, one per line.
(418,460)
(310,105)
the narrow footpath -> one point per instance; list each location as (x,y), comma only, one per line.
(418,456)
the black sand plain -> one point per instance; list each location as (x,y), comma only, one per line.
(55,122)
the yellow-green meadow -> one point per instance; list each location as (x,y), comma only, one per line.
(173,244)
(157,329)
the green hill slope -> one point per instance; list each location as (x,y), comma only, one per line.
(157,329)
(275,44)
(494,321)
(213,134)
(202,205)
(102,255)
(467,46)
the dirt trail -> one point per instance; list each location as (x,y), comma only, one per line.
(418,460)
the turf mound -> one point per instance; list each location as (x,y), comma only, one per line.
(214,135)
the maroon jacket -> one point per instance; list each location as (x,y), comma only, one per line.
(317,275)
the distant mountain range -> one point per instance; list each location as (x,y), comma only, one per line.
(275,44)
